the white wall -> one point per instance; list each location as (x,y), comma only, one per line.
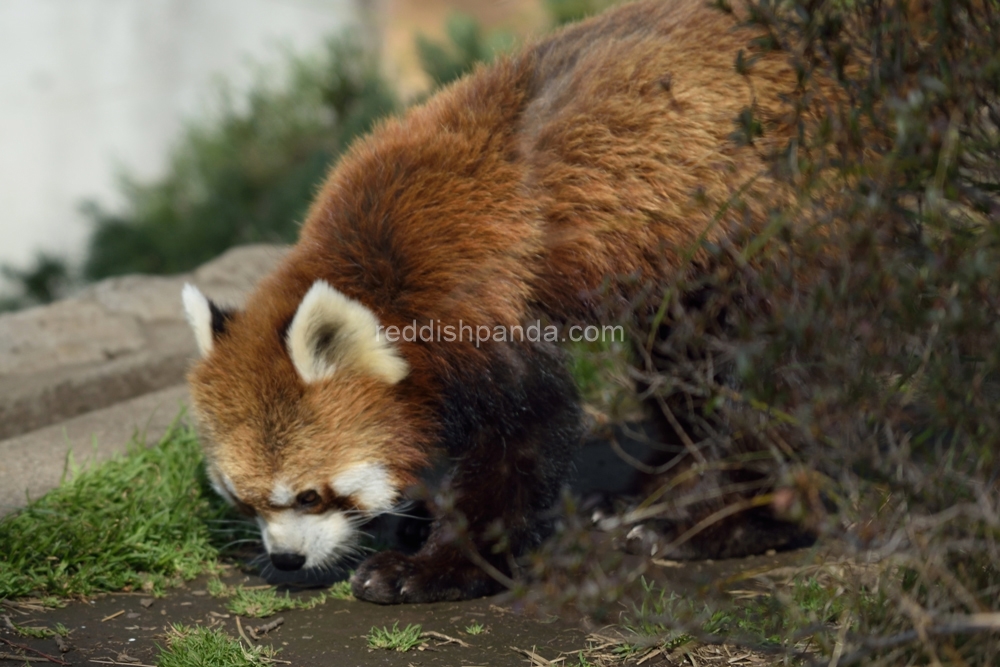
(91,87)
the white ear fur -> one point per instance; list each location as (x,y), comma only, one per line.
(331,331)
(199,316)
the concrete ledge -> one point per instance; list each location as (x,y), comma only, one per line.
(115,340)
(33,463)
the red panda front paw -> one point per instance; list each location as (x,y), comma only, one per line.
(382,578)
(390,577)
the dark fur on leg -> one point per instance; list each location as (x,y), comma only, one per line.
(511,433)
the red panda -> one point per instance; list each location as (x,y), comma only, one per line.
(550,185)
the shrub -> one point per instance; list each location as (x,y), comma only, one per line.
(248,172)
(42,282)
(247,175)
(845,357)
(467,46)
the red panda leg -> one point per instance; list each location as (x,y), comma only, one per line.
(511,430)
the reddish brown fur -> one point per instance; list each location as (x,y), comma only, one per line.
(600,153)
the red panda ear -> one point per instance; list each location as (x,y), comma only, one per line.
(206,319)
(331,331)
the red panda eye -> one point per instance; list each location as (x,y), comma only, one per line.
(308,499)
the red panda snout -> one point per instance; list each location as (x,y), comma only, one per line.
(316,539)
(309,525)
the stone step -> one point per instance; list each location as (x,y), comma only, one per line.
(87,373)
(33,463)
(117,339)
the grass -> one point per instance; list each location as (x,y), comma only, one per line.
(39,632)
(600,370)
(475,629)
(395,639)
(810,606)
(196,647)
(267,602)
(341,590)
(141,520)
(218,589)
(264,602)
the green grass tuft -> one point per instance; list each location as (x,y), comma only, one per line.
(196,647)
(395,639)
(261,603)
(475,629)
(39,632)
(804,606)
(341,590)
(139,520)
(218,589)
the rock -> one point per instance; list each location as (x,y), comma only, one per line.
(85,374)
(114,340)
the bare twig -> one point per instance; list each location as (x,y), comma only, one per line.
(639,465)
(727,511)
(21,658)
(443,637)
(473,554)
(266,628)
(955,625)
(239,626)
(13,607)
(64,646)
(537,660)
(650,655)
(22,647)
(679,430)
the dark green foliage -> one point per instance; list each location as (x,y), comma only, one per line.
(567,11)
(246,176)
(42,282)
(467,46)
(249,173)
(846,354)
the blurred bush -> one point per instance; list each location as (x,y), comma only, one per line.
(842,359)
(567,11)
(467,45)
(248,171)
(246,175)
(45,280)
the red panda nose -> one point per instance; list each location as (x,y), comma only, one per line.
(288,561)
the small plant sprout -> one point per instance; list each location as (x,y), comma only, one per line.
(218,589)
(257,603)
(341,590)
(475,629)
(395,639)
(200,646)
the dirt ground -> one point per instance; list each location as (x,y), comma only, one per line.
(129,628)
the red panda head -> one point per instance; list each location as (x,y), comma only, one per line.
(306,428)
